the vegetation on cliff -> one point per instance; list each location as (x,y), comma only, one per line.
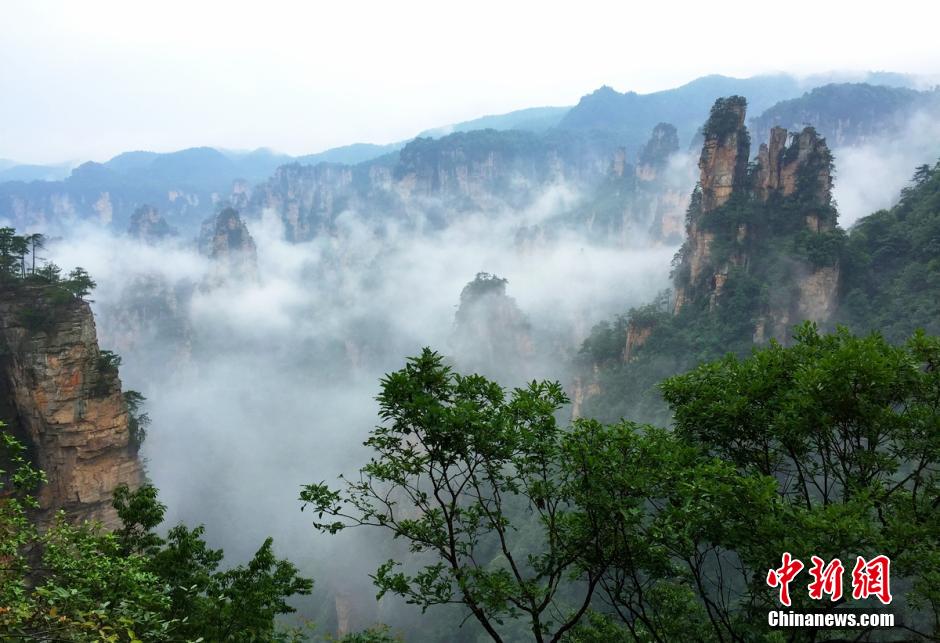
(753,233)
(848,113)
(79,583)
(892,264)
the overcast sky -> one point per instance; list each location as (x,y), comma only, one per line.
(86,80)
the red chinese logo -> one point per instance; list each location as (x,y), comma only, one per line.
(872,578)
(783,576)
(826,580)
(869,578)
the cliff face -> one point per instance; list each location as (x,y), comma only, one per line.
(148,225)
(226,241)
(803,165)
(491,334)
(431,179)
(743,221)
(56,393)
(307,197)
(638,204)
(723,163)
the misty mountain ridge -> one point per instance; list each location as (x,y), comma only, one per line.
(188,185)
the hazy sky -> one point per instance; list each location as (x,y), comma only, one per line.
(82,80)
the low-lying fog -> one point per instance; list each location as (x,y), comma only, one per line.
(271,384)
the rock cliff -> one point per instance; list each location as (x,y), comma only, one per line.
(772,224)
(149,226)
(62,396)
(491,334)
(226,241)
(431,180)
(637,204)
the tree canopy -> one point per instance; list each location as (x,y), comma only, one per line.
(598,532)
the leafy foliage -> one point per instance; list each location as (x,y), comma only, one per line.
(475,483)
(830,447)
(725,117)
(892,264)
(137,419)
(130,585)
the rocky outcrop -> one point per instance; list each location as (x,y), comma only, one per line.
(430,180)
(639,205)
(815,299)
(785,166)
(491,334)
(308,198)
(149,226)
(741,219)
(226,241)
(723,163)
(584,388)
(638,332)
(663,143)
(62,396)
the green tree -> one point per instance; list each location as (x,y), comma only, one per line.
(78,583)
(79,283)
(137,419)
(239,604)
(473,481)
(68,582)
(36,241)
(7,252)
(49,273)
(20,247)
(828,447)
(848,430)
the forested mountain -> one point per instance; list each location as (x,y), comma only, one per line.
(763,251)
(849,114)
(891,262)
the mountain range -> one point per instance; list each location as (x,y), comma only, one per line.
(191,184)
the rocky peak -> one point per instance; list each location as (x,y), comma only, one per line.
(225,239)
(490,331)
(619,163)
(149,226)
(790,186)
(664,141)
(790,162)
(62,396)
(723,163)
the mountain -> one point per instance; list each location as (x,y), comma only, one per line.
(532,119)
(350,154)
(149,226)
(574,144)
(762,252)
(849,113)
(431,180)
(225,239)
(12,171)
(892,273)
(491,334)
(630,116)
